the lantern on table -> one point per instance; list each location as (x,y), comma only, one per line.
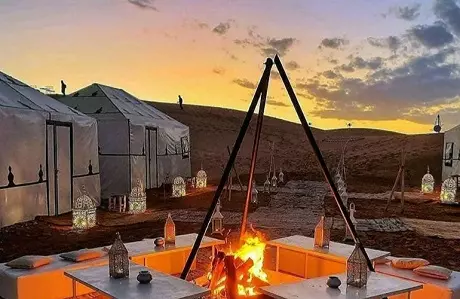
(357,268)
(118,259)
(137,199)
(281,177)
(178,188)
(83,212)
(427,182)
(448,191)
(201,179)
(217,220)
(254,193)
(170,230)
(322,234)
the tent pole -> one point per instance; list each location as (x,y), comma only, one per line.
(228,168)
(255,149)
(319,156)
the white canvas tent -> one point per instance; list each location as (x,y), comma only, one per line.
(48,152)
(451,153)
(136,141)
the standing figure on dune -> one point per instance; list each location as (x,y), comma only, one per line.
(63,87)
(180,102)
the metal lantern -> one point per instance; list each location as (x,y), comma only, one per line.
(254,193)
(84,212)
(267,185)
(427,182)
(448,191)
(170,230)
(137,199)
(341,188)
(118,259)
(274,182)
(217,220)
(201,179)
(348,235)
(322,234)
(178,188)
(281,177)
(357,268)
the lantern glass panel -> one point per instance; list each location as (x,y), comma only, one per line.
(137,199)
(118,259)
(427,182)
(201,179)
(217,220)
(178,188)
(170,230)
(357,271)
(322,234)
(83,212)
(448,191)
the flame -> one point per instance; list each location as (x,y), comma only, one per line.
(253,248)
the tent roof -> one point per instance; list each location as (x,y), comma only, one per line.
(16,94)
(103,99)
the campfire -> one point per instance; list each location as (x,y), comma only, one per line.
(238,274)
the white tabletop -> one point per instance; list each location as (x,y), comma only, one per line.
(162,286)
(378,286)
(339,250)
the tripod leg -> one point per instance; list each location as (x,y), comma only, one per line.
(393,189)
(255,149)
(320,158)
(236,173)
(228,168)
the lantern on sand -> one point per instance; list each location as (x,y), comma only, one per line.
(281,177)
(254,193)
(217,220)
(274,182)
(267,185)
(178,188)
(427,182)
(137,199)
(201,179)
(448,191)
(357,268)
(118,259)
(322,234)
(84,211)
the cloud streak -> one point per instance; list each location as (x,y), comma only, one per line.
(143,4)
(245,83)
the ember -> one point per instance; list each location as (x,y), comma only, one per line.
(238,274)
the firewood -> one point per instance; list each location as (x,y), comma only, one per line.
(231,285)
(238,262)
(257,282)
(244,268)
(217,269)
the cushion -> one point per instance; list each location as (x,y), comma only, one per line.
(29,262)
(382,261)
(81,255)
(408,263)
(434,272)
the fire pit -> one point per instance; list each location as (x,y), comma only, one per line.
(239,273)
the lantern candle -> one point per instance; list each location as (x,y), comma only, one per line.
(201,179)
(178,188)
(170,230)
(137,199)
(118,259)
(322,234)
(83,212)
(357,268)
(217,220)
(427,182)
(448,191)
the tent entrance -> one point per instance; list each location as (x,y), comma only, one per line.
(59,140)
(151,171)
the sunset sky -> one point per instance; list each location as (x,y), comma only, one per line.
(388,64)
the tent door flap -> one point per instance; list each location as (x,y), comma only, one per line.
(59,167)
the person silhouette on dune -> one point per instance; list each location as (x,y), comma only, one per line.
(180,103)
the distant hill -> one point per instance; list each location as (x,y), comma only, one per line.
(372,156)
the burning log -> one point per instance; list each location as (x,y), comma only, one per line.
(244,268)
(231,284)
(258,283)
(217,269)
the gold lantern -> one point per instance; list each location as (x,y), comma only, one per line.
(83,212)
(178,188)
(201,179)
(448,191)
(137,199)
(170,230)
(322,234)
(118,259)
(217,220)
(427,182)
(357,271)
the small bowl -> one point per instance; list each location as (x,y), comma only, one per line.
(333,282)
(144,277)
(159,242)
